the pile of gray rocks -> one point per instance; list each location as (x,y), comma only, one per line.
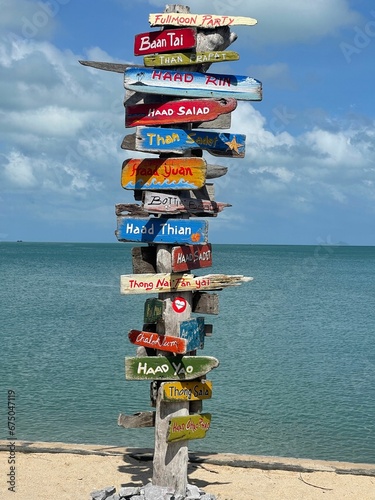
(150,492)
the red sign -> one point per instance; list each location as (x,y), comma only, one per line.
(182,111)
(159,342)
(164,41)
(189,257)
(179,305)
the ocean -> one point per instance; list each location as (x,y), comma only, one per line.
(296,348)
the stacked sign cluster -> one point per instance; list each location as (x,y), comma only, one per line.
(173,102)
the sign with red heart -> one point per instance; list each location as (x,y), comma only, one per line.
(179,304)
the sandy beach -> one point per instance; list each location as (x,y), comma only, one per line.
(57,471)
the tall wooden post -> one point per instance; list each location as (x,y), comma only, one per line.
(172,188)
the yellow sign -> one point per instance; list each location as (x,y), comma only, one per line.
(187,391)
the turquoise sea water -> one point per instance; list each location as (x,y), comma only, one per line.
(296,348)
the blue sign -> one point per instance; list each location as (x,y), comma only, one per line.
(162,230)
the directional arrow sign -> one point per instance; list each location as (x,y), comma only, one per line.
(162,173)
(160,283)
(186,391)
(158,230)
(171,140)
(183,84)
(189,427)
(199,20)
(164,41)
(161,342)
(163,203)
(181,111)
(184,59)
(168,368)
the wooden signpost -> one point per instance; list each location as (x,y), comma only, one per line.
(182,111)
(160,230)
(186,391)
(169,368)
(171,140)
(169,187)
(190,58)
(184,84)
(159,173)
(191,427)
(164,41)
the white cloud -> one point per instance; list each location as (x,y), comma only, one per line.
(283,22)
(299,171)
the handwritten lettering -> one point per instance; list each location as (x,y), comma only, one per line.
(206,20)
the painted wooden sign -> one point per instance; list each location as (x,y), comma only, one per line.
(187,257)
(160,342)
(164,173)
(189,427)
(179,305)
(169,368)
(153,310)
(164,41)
(184,59)
(186,391)
(184,84)
(181,111)
(160,140)
(160,283)
(160,230)
(222,122)
(199,20)
(193,331)
(163,203)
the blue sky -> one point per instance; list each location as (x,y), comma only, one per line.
(309,172)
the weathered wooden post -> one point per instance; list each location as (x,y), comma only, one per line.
(172,107)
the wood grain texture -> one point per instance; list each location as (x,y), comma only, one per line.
(163,203)
(138,420)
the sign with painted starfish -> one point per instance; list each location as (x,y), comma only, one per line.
(174,140)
